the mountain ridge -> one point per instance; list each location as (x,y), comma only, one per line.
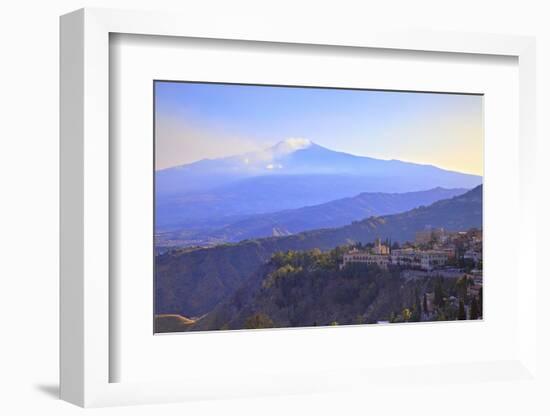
(270,153)
(192,282)
(327,215)
(273,180)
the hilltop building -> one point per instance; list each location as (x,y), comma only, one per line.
(357,256)
(443,247)
(380,249)
(408,257)
(420,259)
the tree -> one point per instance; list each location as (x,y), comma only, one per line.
(416,313)
(258,320)
(474,309)
(468,265)
(461,311)
(462,286)
(438,293)
(425,304)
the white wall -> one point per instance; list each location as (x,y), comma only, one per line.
(29,207)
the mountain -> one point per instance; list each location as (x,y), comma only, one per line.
(192,282)
(328,215)
(209,173)
(292,174)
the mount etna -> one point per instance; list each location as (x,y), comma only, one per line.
(200,199)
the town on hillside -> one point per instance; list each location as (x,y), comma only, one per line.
(437,277)
(437,253)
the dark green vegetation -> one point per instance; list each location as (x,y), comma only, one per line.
(297,289)
(192,282)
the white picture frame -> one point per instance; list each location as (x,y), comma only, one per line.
(86,265)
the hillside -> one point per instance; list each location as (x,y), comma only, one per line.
(297,289)
(172,323)
(328,215)
(193,282)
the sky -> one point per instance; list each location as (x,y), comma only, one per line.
(194,121)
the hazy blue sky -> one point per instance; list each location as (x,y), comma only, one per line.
(197,121)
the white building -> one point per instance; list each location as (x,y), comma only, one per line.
(411,258)
(356,256)
(433,259)
(380,248)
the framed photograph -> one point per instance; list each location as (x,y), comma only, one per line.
(264,229)
(260,211)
